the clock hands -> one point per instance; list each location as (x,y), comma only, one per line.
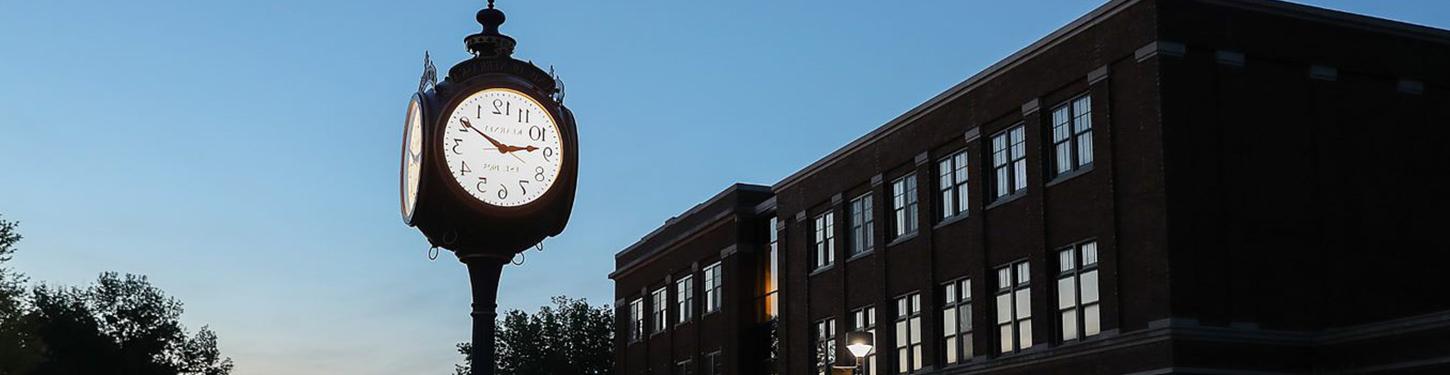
(500,146)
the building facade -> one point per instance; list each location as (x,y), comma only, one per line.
(1209,186)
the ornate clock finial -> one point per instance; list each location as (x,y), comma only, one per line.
(490,43)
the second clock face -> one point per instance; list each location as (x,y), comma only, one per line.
(503,147)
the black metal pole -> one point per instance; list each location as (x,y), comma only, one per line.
(483,275)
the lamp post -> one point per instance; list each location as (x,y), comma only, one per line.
(860,345)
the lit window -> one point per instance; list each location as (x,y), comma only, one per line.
(903,204)
(908,334)
(1009,161)
(1077,291)
(825,345)
(685,298)
(862,224)
(1072,135)
(952,183)
(713,364)
(636,320)
(1014,308)
(685,367)
(864,320)
(712,288)
(768,306)
(658,302)
(957,321)
(825,240)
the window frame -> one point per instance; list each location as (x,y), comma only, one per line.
(825,330)
(861,221)
(1074,273)
(1071,132)
(636,320)
(952,185)
(1018,291)
(659,310)
(957,345)
(908,317)
(823,239)
(713,288)
(904,206)
(1009,162)
(685,299)
(863,319)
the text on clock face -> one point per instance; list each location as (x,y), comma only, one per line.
(503,147)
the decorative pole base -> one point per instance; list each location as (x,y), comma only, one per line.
(483,275)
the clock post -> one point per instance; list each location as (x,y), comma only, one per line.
(490,166)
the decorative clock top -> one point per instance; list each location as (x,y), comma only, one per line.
(503,147)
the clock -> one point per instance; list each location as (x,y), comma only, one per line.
(503,147)
(412,168)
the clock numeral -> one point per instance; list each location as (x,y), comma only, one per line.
(478,111)
(549,154)
(503,192)
(537,133)
(524,116)
(539,174)
(522,188)
(464,171)
(501,107)
(481,186)
(457,142)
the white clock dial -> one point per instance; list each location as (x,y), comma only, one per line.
(412,158)
(503,147)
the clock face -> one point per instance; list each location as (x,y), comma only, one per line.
(503,147)
(412,158)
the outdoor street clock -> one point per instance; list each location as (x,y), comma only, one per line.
(489,166)
(489,155)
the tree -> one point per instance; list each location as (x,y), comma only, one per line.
(19,348)
(569,337)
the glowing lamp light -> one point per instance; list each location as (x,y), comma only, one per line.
(860,343)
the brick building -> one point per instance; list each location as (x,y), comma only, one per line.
(1161,186)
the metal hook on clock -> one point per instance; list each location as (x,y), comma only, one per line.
(518,259)
(432,253)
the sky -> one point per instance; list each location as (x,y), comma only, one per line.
(244,154)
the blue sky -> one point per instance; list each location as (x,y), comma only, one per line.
(244,154)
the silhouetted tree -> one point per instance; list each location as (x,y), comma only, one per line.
(569,337)
(119,325)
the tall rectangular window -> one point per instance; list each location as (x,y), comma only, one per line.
(957,321)
(862,231)
(685,367)
(908,333)
(903,204)
(659,300)
(825,345)
(1072,135)
(685,298)
(713,364)
(636,320)
(864,320)
(712,288)
(1009,161)
(952,183)
(825,239)
(1014,307)
(769,306)
(1077,291)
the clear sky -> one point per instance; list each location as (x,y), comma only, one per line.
(244,154)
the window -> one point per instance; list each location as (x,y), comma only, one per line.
(957,321)
(825,240)
(769,306)
(903,204)
(952,175)
(864,320)
(658,302)
(636,320)
(712,288)
(1072,135)
(1077,291)
(862,231)
(1014,307)
(685,298)
(713,364)
(825,345)
(1009,161)
(685,367)
(908,333)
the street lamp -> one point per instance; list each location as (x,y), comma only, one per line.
(860,345)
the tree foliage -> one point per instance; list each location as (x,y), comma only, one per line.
(121,324)
(570,337)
